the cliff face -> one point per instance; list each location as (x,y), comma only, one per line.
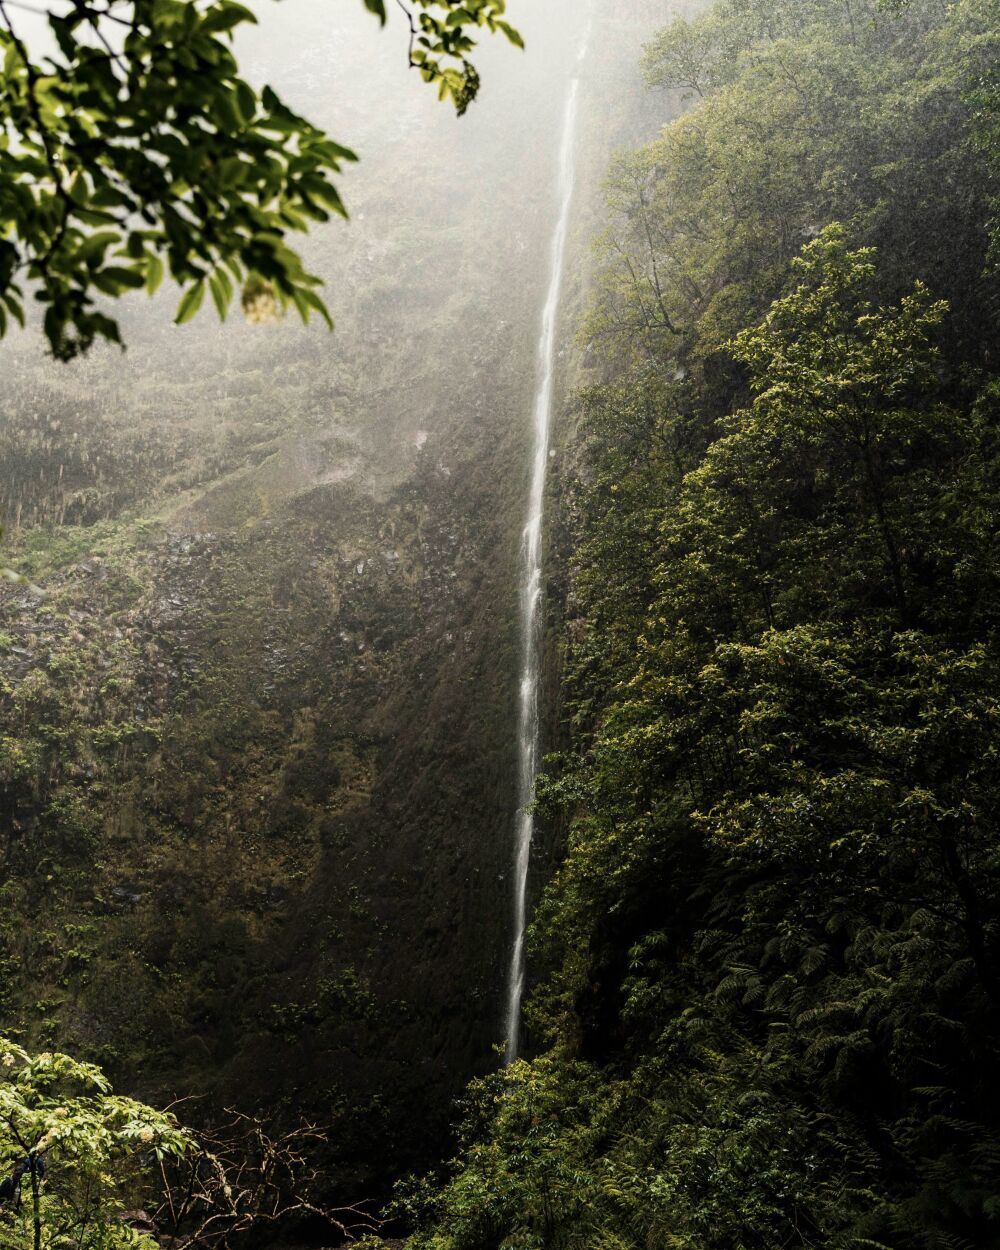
(257,733)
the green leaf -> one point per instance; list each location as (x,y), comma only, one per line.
(513,35)
(114,280)
(154,272)
(190,302)
(226,16)
(304,297)
(15,308)
(216,284)
(246,100)
(377,7)
(94,247)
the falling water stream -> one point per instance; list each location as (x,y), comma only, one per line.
(531,570)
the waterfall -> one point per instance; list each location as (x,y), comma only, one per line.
(531,572)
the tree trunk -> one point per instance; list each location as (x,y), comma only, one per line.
(36,1204)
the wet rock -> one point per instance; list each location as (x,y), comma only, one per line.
(128,894)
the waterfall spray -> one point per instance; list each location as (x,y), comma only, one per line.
(531,570)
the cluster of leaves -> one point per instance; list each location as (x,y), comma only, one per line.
(92,1144)
(810,114)
(137,149)
(82,1158)
(440,41)
(768,1011)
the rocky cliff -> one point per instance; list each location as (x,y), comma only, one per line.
(257,726)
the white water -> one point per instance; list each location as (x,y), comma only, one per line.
(531,572)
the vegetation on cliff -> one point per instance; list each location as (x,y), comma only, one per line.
(267,688)
(255,736)
(768,1009)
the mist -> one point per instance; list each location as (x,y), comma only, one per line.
(547,722)
(293,555)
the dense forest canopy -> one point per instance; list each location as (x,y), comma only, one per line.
(768,1010)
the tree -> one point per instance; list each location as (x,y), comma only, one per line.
(793,123)
(78,1161)
(91,1144)
(243,1177)
(136,149)
(767,987)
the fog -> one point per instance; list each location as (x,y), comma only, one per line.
(287,560)
(441,262)
(561,700)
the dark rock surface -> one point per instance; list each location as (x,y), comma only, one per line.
(256,735)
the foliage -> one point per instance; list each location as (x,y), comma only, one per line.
(836,114)
(768,1012)
(778,914)
(438,41)
(93,1144)
(137,149)
(984,95)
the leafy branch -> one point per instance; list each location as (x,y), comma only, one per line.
(139,151)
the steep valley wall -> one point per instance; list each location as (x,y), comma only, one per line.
(257,766)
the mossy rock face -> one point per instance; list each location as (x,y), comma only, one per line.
(257,737)
(257,784)
(256,773)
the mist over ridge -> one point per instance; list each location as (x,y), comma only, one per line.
(269,695)
(518,772)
